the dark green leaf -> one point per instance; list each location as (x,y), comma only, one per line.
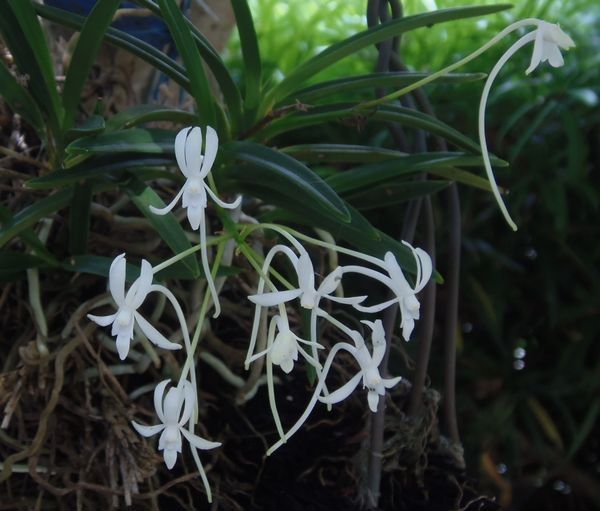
(315,153)
(79,218)
(367,175)
(391,194)
(141,114)
(137,140)
(12,264)
(199,86)
(250,52)
(95,168)
(370,83)
(32,214)
(84,55)
(287,177)
(94,125)
(20,101)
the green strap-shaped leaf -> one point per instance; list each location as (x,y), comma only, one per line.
(137,140)
(167,226)
(94,125)
(368,175)
(391,194)
(24,37)
(141,114)
(20,101)
(28,216)
(352,113)
(315,153)
(374,35)
(250,52)
(104,167)
(84,55)
(79,218)
(287,177)
(370,82)
(188,50)
(13,264)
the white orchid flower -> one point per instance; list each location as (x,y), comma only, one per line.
(173,419)
(124,320)
(283,346)
(368,373)
(369,368)
(548,39)
(405,294)
(195,167)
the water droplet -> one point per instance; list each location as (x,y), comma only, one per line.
(519,364)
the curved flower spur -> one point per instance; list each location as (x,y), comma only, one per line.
(548,40)
(196,166)
(173,418)
(127,316)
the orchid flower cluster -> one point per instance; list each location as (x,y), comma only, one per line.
(177,408)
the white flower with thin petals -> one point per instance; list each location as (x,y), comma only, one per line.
(283,346)
(549,40)
(405,294)
(174,412)
(195,166)
(369,368)
(306,291)
(127,315)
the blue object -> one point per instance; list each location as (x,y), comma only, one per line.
(150,29)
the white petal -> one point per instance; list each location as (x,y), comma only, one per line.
(180,151)
(170,456)
(189,397)
(287,365)
(388,383)
(401,285)
(375,308)
(554,56)
(331,282)
(373,399)
(198,442)
(424,260)
(123,341)
(408,325)
(116,279)
(343,392)
(154,335)
(172,405)
(102,320)
(275,298)
(147,431)
(159,393)
(210,151)
(168,207)
(194,214)
(538,48)
(141,287)
(306,272)
(193,150)
(225,205)
(349,300)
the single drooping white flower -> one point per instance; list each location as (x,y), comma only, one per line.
(368,368)
(283,346)
(127,316)
(405,294)
(173,419)
(195,167)
(548,39)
